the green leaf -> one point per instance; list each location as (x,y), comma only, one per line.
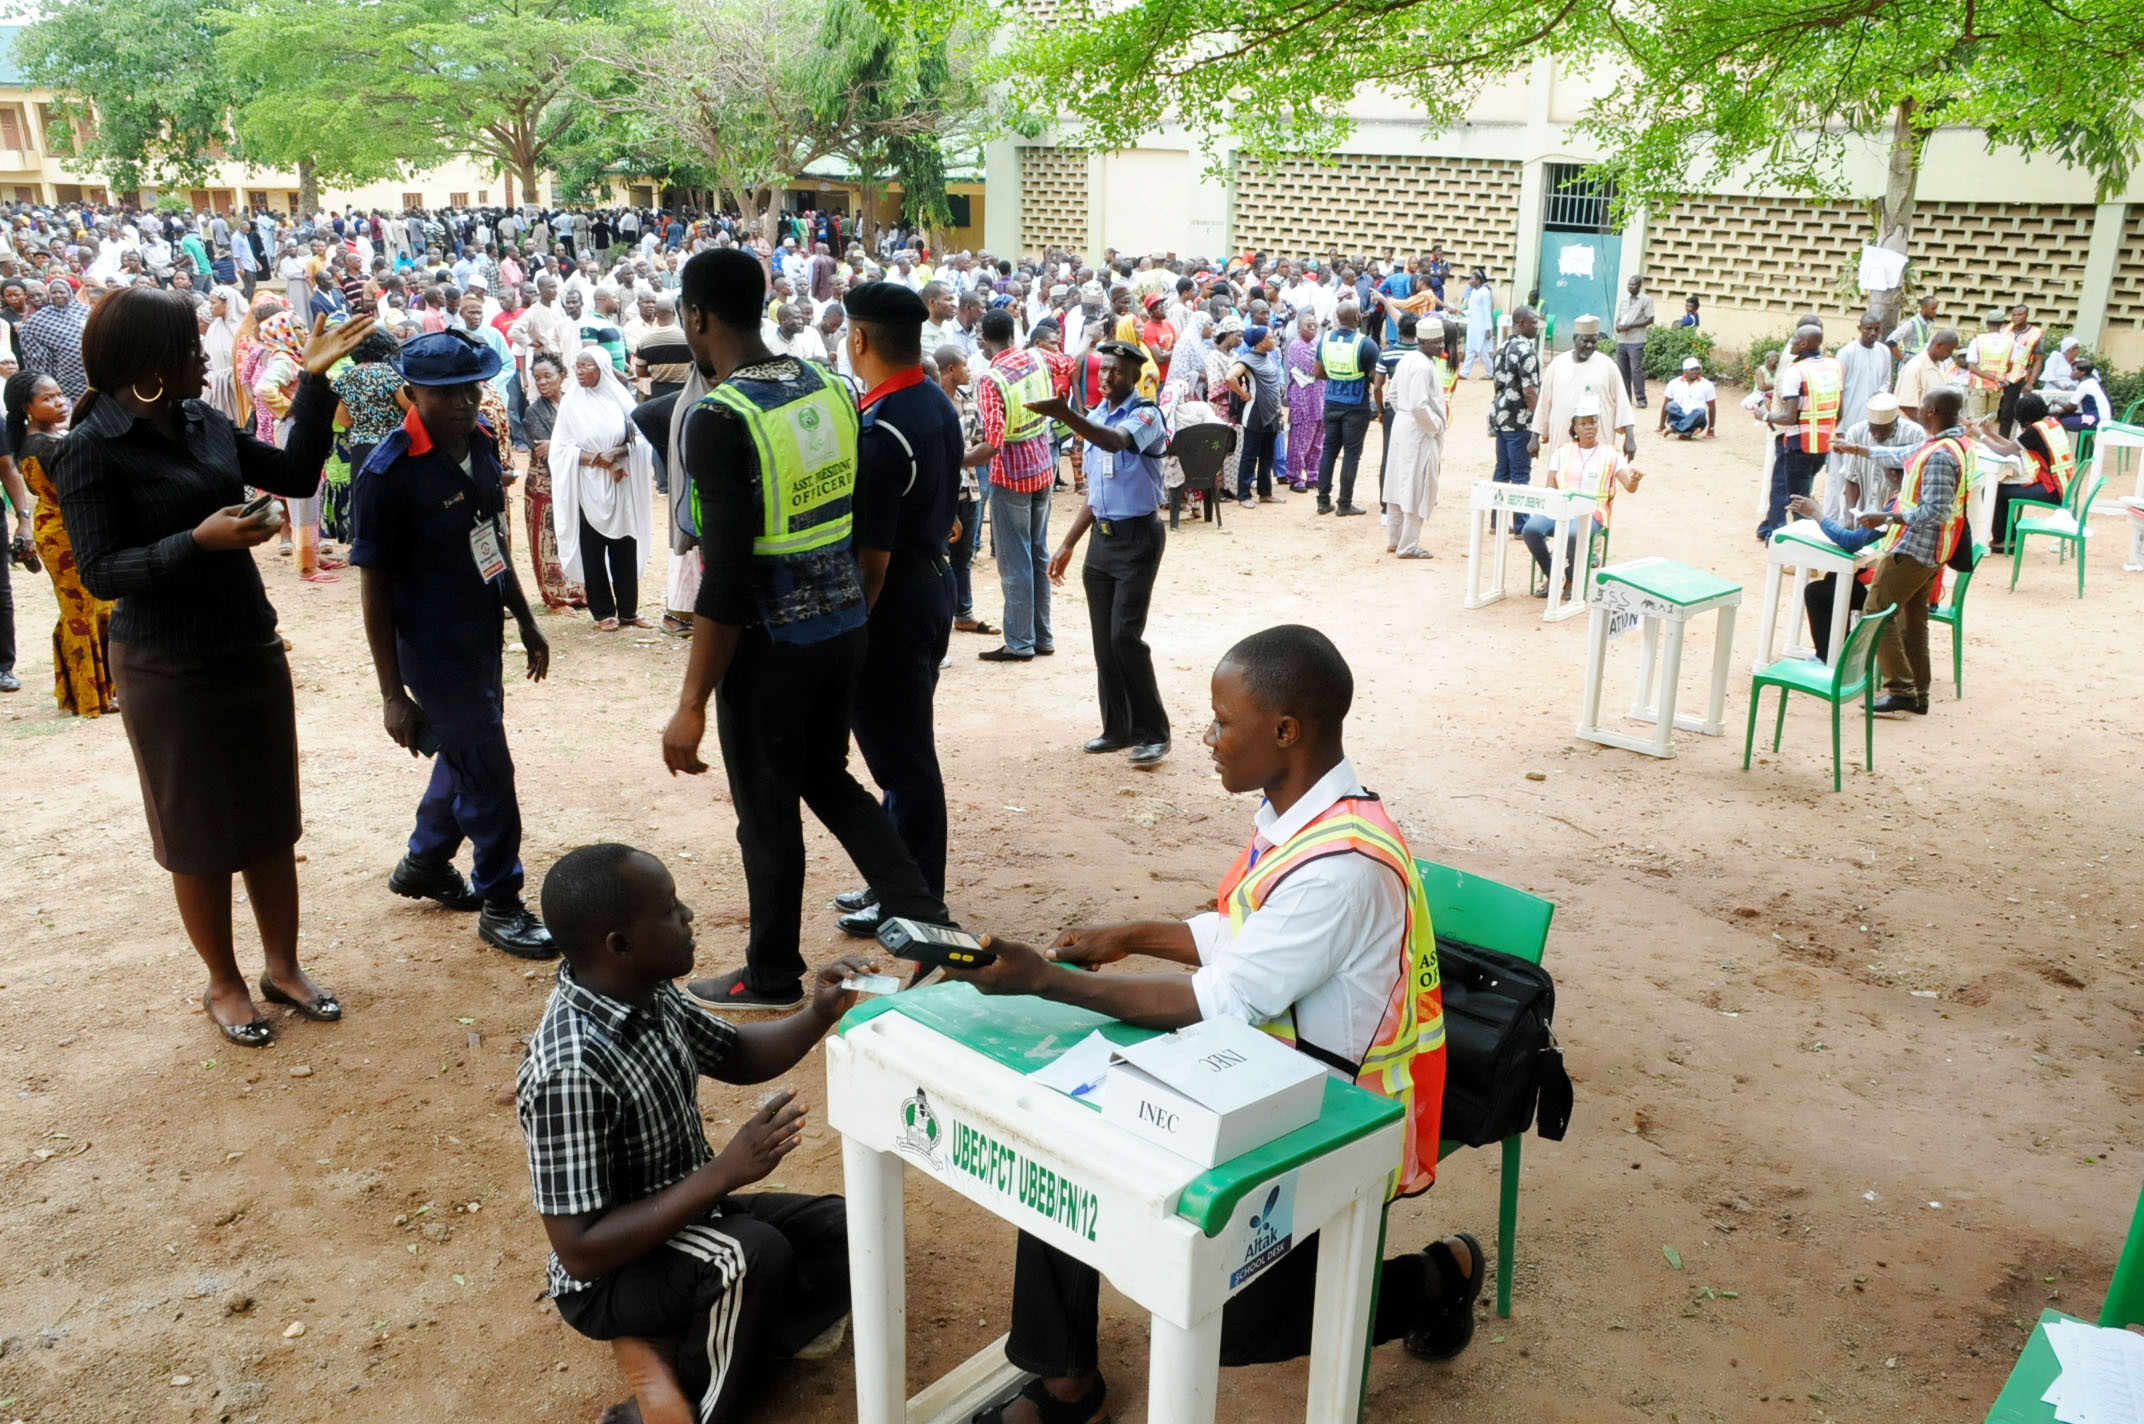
(1674,1257)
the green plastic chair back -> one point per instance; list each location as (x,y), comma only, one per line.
(2083,492)
(1953,613)
(2081,447)
(2129,416)
(1857,660)
(2124,1305)
(1853,676)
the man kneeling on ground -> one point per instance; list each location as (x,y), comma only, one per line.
(698,1290)
(1323,937)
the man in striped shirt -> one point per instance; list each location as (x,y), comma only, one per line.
(700,1290)
(1021,467)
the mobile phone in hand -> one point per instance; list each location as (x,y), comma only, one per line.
(939,946)
(255,505)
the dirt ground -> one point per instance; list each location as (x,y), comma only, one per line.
(1864,1062)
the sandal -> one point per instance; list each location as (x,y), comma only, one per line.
(258,1034)
(1445,1326)
(606,625)
(634,623)
(323,1007)
(1052,1410)
(318,577)
(976,625)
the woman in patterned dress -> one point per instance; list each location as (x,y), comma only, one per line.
(537,421)
(37,411)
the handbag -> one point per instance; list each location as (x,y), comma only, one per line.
(1503,1069)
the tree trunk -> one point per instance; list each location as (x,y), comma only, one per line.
(527,169)
(308,187)
(1894,211)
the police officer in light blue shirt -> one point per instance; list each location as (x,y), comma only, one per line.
(1123,439)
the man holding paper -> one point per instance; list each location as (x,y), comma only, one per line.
(1321,937)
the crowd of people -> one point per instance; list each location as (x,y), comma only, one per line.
(825,430)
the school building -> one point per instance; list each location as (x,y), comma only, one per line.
(1502,189)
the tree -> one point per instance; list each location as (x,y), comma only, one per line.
(920,88)
(485,80)
(139,80)
(755,91)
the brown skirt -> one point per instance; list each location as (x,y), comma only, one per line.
(216,742)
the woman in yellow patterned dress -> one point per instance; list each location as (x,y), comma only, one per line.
(37,412)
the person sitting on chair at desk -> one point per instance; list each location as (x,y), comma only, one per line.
(699,1290)
(1323,938)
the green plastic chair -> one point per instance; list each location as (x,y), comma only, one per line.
(1953,613)
(2081,443)
(1490,915)
(2129,416)
(2069,526)
(2037,1366)
(1855,676)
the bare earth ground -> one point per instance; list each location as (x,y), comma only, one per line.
(1865,1061)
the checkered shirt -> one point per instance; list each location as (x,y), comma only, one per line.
(608,1098)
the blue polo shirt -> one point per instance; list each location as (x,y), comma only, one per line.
(412,511)
(1126,484)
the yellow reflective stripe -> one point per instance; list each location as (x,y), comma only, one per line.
(781,465)
(769,478)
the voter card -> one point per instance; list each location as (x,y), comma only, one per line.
(484,547)
(872,984)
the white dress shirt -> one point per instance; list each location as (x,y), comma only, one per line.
(1326,942)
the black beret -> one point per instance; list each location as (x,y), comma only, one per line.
(889,302)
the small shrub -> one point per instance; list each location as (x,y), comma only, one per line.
(1666,347)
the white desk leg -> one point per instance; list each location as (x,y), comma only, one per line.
(878,1307)
(1589,710)
(1769,619)
(1476,518)
(1183,1380)
(1339,1333)
(1496,565)
(1648,660)
(1670,676)
(1722,656)
(1842,603)
(1558,566)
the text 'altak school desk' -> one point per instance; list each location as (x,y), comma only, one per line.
(938,1078)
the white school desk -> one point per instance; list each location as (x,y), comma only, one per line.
(1570,509)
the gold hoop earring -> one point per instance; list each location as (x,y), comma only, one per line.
(135,391)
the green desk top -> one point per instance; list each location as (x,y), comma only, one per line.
(1817,542)
(1025,1034)
(1665,579)
(2020,1403)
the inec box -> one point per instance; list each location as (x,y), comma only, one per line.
(1213,1091)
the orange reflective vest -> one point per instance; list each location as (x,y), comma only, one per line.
(1451,385)
(1909,496)
(1406,1058)
(1991,359)
(2022,346)
(1589,472)
(1823,385)
(2062,468)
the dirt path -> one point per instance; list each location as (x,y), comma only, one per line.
(1865,1061)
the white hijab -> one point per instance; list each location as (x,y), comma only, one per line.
(590,419)
(221,338)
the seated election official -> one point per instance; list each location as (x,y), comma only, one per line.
(429,515)
(1322,936)
(699,1290)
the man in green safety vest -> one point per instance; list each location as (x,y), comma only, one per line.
(778,638)
(1347,362)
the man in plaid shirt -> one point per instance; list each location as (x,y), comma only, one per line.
(1907,574)
(1022,466)
(699,1290)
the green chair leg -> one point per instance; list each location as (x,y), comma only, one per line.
(2017,559)
(1868,717)
(2080,562)
(1749,742)
(1779,732)
(1507,1226)
(1957,652)
(1835,747)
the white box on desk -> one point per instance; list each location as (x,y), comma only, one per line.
(1213,1091)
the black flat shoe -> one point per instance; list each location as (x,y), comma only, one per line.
(1003,655)
(441,884)
(323,1007)
(1148,753)
(1347,509)
(1890,703)
(863,924)
(258,1034)
(1445,1326)
(850,901)
(1105,744)
(1094,1409)
(515,930)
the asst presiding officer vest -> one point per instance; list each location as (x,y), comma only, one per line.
(1823,383)
(2062,467)
(804,431)
(1341,355)
(1909,496)
(1406,1058)
(1020,392)
(1991,362)
(2022,345)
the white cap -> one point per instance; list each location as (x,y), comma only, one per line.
(1691,363)
(1588,404)
(1588,325)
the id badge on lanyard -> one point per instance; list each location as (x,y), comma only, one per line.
(486,548)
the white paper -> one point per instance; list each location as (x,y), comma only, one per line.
(2102,1379)
(1081,1070)
(1807,529)
(1575,261)
(1881,269)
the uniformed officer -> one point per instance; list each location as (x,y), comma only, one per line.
(907,482)
(778,634)
(428,511)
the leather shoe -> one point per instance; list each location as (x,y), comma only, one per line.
(850,901)
(863,924)
(514,929)
(1003,655)
(1106,744)
(1890,702)
(1351,509)
(1148,753)
(442,884)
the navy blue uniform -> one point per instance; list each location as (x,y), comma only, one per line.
(907,481)
(413,511)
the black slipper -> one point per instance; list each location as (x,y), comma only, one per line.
(324,1007)
(258,1034)
(1446,1325)
(1052,1410)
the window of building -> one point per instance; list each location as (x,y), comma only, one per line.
(483,197)
(95,194)
(457,200)
(256,199)
(57,138)
(1574,202)
(11,134)
(958,205)
(413,200)
(24,193)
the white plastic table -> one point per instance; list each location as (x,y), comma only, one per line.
(1569,508)
(1802,547)
(1989,470)
(1661,593)
(937,1078)
(2115,447)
